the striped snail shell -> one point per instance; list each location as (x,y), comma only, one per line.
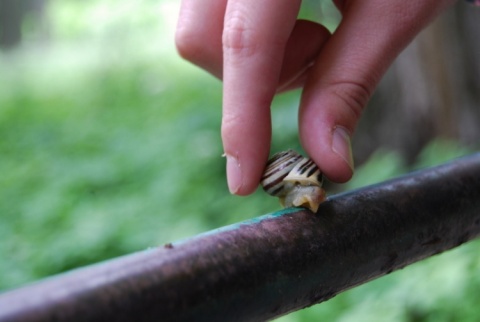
(296,180)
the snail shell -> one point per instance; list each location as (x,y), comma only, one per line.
(296,180)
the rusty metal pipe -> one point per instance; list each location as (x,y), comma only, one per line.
(271,265)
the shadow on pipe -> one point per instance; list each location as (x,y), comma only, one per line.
(271,265)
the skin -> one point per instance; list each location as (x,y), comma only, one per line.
(259,48)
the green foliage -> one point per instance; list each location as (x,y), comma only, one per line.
(110,145)
(105,154)
(106,167)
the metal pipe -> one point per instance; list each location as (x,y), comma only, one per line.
(271,265)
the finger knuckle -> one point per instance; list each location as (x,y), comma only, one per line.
(238,39)
(189,43)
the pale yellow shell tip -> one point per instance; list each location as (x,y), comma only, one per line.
(311,204)
(307,201)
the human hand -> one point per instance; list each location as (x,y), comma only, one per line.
(260,48)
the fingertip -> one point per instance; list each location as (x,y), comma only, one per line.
(330,148)
(341,173)
(246,189)
(246,142)
(246,145)
(242,180)
(333,166)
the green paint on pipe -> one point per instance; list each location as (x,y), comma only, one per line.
(236,226)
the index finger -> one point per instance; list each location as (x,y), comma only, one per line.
(254,38)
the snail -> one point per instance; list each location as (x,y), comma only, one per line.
(296,180)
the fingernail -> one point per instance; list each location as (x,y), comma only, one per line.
(342,146)
(234,174)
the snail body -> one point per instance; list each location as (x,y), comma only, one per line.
(294,179)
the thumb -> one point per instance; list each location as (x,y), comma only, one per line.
(346,72)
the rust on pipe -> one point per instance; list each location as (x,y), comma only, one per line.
(271,265)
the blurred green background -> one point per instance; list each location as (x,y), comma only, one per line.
(110,144)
